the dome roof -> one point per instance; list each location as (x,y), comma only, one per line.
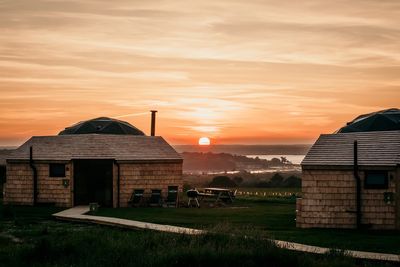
(102,125)
(384,120)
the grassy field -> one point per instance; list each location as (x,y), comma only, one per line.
(272,218)
(30,237)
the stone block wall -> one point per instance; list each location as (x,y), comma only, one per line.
(329,201)
(148,176)
(19,185)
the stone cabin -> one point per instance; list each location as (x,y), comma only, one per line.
(75,169)
(351,180)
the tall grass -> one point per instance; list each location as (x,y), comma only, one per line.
(29,237)
(102,246)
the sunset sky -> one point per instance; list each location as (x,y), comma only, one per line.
(239,72)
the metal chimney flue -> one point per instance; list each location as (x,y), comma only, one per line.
(153,122)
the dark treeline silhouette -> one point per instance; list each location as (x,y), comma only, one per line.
(277,180)
(194,161)
(247,149)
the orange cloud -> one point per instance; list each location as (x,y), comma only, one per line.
(236,71)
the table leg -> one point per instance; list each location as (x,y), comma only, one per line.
(219,195)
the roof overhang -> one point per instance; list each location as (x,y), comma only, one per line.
(347,167)
(136,161)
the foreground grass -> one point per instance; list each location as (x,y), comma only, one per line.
(65,244)
(272,218)
(30,237)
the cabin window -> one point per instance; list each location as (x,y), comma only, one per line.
(57,170)
(376,180)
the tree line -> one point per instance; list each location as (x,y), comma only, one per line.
(277,180)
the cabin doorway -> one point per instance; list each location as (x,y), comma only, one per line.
(93,182)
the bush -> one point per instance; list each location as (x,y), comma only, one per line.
(222,181)
(276,180)
(292,181)
(238,180)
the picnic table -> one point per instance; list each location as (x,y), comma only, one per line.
(223,194)
(211,193)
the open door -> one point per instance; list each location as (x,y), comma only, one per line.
(93,182)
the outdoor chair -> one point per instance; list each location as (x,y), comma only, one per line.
(155,199)
(192,195)
(172,197)
(136,197)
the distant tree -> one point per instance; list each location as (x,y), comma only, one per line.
(292,181)
(276,180)
(238,180)
(222,181)
(276,161)
(284,160)
(262,184)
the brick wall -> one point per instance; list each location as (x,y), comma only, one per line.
(329,201)
(148,176)
(19,185)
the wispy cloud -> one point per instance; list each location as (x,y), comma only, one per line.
(227,68)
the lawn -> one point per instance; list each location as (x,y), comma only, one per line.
(270,217)
(30,237)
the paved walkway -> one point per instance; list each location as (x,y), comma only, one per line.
(352,253)
(78,214)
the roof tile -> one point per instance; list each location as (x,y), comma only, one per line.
(374,149)
(96,146)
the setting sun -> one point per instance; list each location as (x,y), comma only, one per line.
(204,141)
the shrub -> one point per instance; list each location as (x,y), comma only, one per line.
(222,181)
(292,181)
(238,180)
(276,180)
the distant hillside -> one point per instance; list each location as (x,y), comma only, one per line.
(194,161)
(247,149)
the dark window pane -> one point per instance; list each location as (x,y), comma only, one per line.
(57,170)
(376,180)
